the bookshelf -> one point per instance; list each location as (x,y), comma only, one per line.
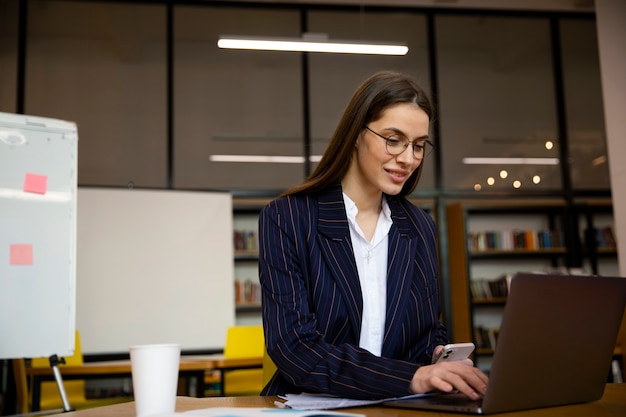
(488,242)
(246,259)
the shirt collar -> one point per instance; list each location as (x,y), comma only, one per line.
(352,210)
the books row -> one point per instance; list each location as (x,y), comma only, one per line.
(484,288)
(604,237)
(485,338)
(246,240)
(514,239)
(247,291)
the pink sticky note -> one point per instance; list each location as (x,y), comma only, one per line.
(34,183)
(21,255)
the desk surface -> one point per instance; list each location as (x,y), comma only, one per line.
(612,404)
(222,362)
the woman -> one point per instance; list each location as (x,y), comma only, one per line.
(348,266)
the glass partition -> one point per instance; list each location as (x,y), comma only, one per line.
(497,104)
(8,55)
(102,65)
(237,114)
(584,109)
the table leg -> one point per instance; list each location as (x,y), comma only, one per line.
(36,401)
(222,383)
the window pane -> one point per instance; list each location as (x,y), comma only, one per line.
(234,103)
(103,66)
(583,105)
(8,55)
(496,94)
(335,77)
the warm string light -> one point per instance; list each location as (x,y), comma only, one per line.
(504,174)
(536,179)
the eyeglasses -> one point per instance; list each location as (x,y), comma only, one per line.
(396,144)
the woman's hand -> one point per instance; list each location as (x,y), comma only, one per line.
(449,376)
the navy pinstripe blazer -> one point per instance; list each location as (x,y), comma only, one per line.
(312,300)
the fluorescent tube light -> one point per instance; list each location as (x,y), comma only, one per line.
(310,43)
(511,161)
(263,159)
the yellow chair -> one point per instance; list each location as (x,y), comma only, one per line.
(269,367)
(74,389)
(244,342)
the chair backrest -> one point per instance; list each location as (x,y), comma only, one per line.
(244,342)
(269,367)
(247,341)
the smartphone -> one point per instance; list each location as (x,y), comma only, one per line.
(455,352)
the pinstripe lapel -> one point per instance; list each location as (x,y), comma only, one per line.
(336,248)
(400,270)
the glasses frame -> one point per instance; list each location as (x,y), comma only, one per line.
(426,149)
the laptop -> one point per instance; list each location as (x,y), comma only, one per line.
(555,346)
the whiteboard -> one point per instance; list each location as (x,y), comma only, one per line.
(154,266)
(38,162)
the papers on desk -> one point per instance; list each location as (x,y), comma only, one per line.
(257,412)
(325,402)
(295,405)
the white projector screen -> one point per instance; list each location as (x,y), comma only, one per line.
(153,267)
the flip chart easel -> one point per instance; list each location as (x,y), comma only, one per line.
(38,177)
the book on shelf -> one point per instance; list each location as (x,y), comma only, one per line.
(486,338)
(487,289)
(605,238)
(514,239)
(245,240)
(247,292)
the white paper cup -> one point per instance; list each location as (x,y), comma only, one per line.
(155,377)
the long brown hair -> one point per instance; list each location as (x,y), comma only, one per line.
(379,92)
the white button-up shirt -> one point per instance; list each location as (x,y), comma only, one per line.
(371,263)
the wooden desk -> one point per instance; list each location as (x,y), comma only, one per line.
(612,404)
(192,369)
(224,364)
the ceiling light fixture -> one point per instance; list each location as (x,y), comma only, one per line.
(511,161)
(272,159)
(311,42)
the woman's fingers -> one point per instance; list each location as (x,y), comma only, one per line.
(449,376)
